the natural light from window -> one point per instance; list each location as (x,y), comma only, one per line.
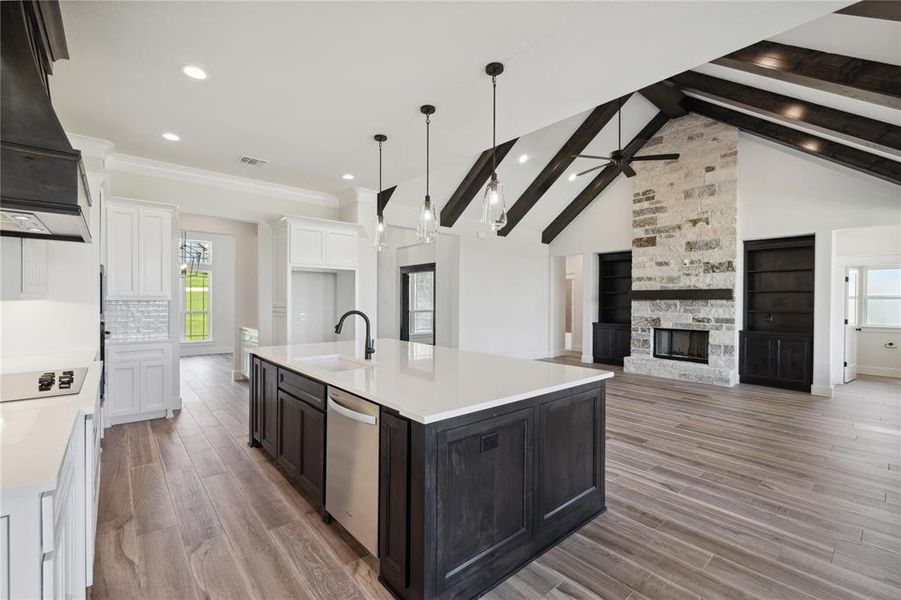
(196,294)
(883,297)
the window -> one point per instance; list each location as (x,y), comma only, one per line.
(422,301)
(882,305)
(200,251)
(196,292)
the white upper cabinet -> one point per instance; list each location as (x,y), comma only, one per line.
(138,255)
(155,256)
(322,244)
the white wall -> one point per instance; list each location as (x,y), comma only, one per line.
(783,193)
(557,306)
(223,328)
(878,348)
(504,296)
(67,319)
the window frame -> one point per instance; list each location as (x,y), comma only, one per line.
(209,311)
(415,312)
(863,297)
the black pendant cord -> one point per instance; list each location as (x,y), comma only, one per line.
(379,199)
(427,122)
(493,127)
(619,123)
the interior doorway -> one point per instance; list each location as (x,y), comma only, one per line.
(417,308)
(852,327)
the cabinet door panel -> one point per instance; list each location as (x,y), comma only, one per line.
(289,434)
(393,504)
(280,267)
(122,251)
(603,342)
(307,246)
(255,399)
(269,408)
(341,248)
(311,465)
(756,356)
(622,342)
(123,393)
(570,460)
(155,253)
(34,267)
(484,478)
(792,360)
(154,385)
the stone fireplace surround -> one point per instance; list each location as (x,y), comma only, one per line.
(685,249)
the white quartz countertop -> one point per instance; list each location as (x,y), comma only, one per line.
(34,433)
(428,383)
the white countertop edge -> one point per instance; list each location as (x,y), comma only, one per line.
(43,468)
(474,408)
(327,378)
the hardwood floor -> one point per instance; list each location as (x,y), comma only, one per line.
(746,492)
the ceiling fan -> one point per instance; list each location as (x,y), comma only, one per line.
(617,157)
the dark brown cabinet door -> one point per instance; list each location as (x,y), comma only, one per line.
(269,407)
(755,356)
(290,423)
(611,343)
(571,433)
(254,414)
(311,461)
(393,505)
(485,518)
(792,360)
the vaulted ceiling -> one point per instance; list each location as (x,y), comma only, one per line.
(306,84)
(830,88)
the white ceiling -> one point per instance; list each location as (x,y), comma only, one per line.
(305,85)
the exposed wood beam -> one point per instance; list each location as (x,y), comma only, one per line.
(382,199)
(597,185)
(665,97)
(557,166)
(477,177)
(881,9)
(867,80)
(871,164)
(850,127)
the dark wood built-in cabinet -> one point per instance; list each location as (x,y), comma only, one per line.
(613,330)
(776,344)
(483,494)
(287,418)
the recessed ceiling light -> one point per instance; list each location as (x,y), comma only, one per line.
(172,137)
(194,72)
(523,158)
(572,176)
(347,176)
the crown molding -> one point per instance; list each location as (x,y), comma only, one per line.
(136,165)
(91,146)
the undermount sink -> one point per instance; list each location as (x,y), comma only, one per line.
(334,363)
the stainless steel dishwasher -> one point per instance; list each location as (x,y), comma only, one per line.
(352,466)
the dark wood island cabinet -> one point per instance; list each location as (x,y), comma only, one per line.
(466,501)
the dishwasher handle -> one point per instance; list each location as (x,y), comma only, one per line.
(370,420)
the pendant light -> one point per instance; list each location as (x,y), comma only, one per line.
(494,212)
(427,228)
(381,242)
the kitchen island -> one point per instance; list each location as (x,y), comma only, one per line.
(483,462)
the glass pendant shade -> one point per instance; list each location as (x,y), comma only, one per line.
(381,238)
(494,211)
(427,228)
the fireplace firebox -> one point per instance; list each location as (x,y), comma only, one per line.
(682,344)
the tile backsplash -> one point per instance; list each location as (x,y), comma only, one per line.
(137,320)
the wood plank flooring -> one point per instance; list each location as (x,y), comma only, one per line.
(746,492)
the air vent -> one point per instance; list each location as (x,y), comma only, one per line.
(253,162)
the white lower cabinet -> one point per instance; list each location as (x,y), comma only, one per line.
(47,535)
(139,380)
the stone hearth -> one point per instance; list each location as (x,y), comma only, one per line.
(685,238)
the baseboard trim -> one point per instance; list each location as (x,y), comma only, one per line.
(821,390)
(238,376)
(880,371)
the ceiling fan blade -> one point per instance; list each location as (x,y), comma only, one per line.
(590,170)
(627,170)
(656,157)
(591,156)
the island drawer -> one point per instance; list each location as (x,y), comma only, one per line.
(309,390)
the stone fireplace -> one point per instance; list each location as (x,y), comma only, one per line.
(684,253)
